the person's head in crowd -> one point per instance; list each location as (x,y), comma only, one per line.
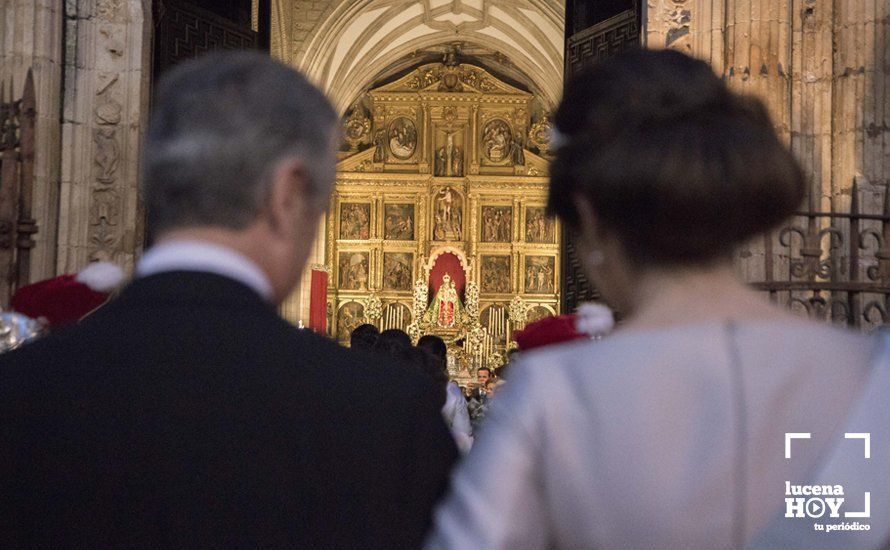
(435,346)
(241,152)
(494,386)
(428,364)
(392,341)
(660,168)
(363,337)
(483,376)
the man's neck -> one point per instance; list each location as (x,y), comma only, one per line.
(205,251)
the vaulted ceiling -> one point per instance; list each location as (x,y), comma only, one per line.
(354,44)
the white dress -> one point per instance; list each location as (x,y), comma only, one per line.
(669,438)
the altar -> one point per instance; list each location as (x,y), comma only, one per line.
(437,222)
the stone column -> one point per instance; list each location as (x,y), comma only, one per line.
(107,68)
(31,37)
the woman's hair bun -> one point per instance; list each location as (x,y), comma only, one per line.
(681,168)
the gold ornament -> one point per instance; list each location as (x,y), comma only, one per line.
(357,127)
(373,307)
(539,135)
(516,311)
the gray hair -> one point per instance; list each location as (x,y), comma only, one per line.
(220,124)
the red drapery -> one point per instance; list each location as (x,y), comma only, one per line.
(450,264)
(318,299)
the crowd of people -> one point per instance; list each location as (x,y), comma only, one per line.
(462,408)
(186,412)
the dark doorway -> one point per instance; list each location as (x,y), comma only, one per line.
(594,29)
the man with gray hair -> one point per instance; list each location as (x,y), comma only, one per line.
(187,412)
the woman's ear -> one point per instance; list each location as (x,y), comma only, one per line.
(589,228)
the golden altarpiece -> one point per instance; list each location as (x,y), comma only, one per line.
(437,222)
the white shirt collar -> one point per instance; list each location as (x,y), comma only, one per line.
(203,256)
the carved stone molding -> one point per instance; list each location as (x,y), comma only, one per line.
(105,107)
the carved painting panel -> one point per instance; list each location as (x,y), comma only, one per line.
(397,271)
(497,140)
(539,274)
(539,228)
(349,316)
(497,223)
(398,224)
(353,270)
(495,274)
(402,138)
(355,220)
(536,313)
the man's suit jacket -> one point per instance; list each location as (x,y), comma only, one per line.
(187,413)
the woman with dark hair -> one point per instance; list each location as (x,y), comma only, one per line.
(454,411)
(669,434)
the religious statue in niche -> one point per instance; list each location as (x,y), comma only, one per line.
(497,221)
(355,220)
(351,315)
(397,271)
(380,146)
(518,150)
(446,309)
(399,222)
(449,157)
(402,138)
(497,140)
(353,270)
(538,227)
(539,274)
(448,215)
(495,274)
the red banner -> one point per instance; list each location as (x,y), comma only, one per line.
(318,301)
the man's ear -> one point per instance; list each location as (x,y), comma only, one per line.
(288,195)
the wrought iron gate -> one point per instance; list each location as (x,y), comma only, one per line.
(16,187)
(833,266)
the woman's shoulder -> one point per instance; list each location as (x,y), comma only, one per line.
(631,353)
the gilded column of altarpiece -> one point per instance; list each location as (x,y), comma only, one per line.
(437,222)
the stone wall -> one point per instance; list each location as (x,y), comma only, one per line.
(31,38)
(823,70)
(88,127)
